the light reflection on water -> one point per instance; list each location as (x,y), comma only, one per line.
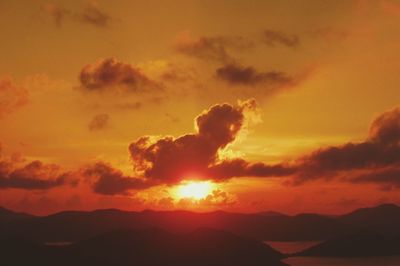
(291,247)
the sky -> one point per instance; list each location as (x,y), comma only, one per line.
(243,106)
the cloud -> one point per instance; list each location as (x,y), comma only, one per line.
(91,14)
(12,97)
(272,38)
(99,122)
(388,178)
(170,160)
(57,12)
(211,48)
(111,75)
(238,75)
(110,181)
(33,176)
(241,168)
(377,158)
(385,129)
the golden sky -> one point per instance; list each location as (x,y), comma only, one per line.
(264,105)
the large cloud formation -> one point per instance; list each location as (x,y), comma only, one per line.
(12,97)
(111,75)
(170,160)
(375,160)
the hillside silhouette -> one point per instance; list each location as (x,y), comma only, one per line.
(358,245)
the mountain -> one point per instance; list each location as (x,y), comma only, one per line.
(383,219)
(10,216)
(271,213)
(148,247)
(74,226)
(357,245)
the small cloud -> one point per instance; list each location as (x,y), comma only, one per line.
(211,48)
(58,13)
(238,75)
(113,76)
(273,38)
(91,14)
(99,122)
(12,96)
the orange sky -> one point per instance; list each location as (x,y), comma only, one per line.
(282,86)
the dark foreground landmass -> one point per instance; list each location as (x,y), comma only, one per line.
(114,237)
(144,247)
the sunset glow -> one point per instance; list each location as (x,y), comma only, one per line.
(280,106)
(195,190)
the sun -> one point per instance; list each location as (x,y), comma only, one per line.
(195,189)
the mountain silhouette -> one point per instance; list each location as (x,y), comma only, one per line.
(357,245)
(73,226)
(10,216)
(383,219)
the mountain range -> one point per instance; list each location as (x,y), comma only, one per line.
(120,238)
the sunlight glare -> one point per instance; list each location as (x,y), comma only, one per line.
(195,189)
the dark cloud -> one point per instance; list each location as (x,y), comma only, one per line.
(110,181)
(110,75)
(241,168)
(376,157)
(211,48)
(170,160)
(12,97)
(237,75)
(32,176)
(99,122)
(91,14)
(272,38)
(385,129)
(388,178)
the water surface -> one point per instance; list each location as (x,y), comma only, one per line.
(291,247)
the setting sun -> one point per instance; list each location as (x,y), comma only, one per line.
(195,190)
